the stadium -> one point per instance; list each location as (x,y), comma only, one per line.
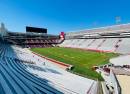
(91,61)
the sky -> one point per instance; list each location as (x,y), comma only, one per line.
(62,15)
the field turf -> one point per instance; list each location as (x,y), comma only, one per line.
(80,59)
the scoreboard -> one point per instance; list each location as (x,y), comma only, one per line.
(35,29)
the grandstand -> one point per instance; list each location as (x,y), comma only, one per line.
(25,72)
(106,39)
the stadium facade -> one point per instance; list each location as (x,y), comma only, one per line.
(30,39)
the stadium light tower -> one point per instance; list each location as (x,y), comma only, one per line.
(118,20)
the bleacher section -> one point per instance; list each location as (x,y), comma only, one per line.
(15,79)
(117,45)
(22,72)
(40,43)
(109,45)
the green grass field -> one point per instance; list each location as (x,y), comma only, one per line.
(80,59)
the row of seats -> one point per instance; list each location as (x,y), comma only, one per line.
(40,43)
(119,45)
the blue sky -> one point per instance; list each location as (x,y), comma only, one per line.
(62,15)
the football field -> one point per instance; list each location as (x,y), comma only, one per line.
(82,60)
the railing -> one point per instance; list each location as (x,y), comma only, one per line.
(94,88)
(117,88)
